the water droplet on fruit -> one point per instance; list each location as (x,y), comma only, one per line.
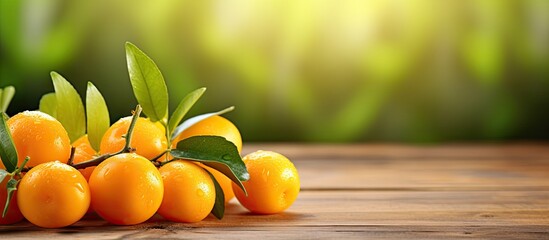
(265,175)
(226,157)
(80,187)
(58,141)
(200,193)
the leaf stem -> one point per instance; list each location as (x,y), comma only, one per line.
(96,161)
(168,133)
(11,185)
(71,158)
(127,148)
(136,114)
(155,159)
(22,167)
(169,161)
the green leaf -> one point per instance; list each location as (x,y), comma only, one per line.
(218,209)
(8,153)
(148,84)
(3,174)
(97,115)
(216,152)
(11,187)
(184,107)
(5,97)
(70,110)
(48,104)
(194,120)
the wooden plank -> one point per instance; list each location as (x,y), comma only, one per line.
(376,151)
(346,214)
(443,174)
(447,167)
(379,191)
(152,231)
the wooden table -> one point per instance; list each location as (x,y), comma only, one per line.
(375,191)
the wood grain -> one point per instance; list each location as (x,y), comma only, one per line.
(374,191)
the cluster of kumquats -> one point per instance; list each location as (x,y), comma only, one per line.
(62,162)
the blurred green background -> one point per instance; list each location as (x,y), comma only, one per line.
(325,71)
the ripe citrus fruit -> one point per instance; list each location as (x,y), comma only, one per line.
(53,195)
(273,184)
(224,182)
(83,151)
(189,192)
(13,215)
(214,125)
(126,189)
(148,138)
(218,126)
(39,136)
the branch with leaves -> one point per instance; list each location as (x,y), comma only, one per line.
(149,88)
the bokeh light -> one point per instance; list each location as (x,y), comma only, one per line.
(325,71)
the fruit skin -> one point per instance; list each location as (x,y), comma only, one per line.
(218,126)
(149,139)
(83,151)
(53,195)
(13,215)
(126,189)
(273,184)
(39,136)
(224,182)
(214,125)
(189,192)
